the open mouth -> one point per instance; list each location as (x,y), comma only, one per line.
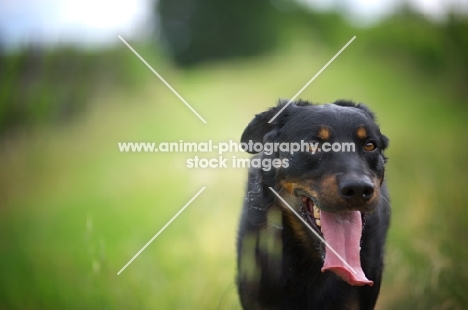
(311,213)
(341,232)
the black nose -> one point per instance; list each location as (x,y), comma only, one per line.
(356,189)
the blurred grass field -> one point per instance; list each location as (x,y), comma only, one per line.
(74,210)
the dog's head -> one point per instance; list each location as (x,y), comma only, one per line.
(334,178)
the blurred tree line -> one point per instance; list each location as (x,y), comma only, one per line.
(434,48)
(39,85)
(200,30)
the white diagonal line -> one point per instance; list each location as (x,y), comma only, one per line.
(163,80)
(161,230)
(311,80)
(312,230)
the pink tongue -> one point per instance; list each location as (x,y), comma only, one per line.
(342,231)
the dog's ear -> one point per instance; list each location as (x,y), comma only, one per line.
(384,141)
(366,110)
(361,106)
(259,128)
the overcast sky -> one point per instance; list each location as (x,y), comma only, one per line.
(100,21)
(86,21)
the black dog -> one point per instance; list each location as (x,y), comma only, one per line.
(341,195)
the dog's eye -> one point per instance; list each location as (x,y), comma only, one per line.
(370,146)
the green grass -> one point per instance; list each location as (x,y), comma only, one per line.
(74,210)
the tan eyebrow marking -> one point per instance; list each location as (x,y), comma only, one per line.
(361,133)
(324,133)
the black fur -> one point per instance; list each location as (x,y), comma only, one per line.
(279,259)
